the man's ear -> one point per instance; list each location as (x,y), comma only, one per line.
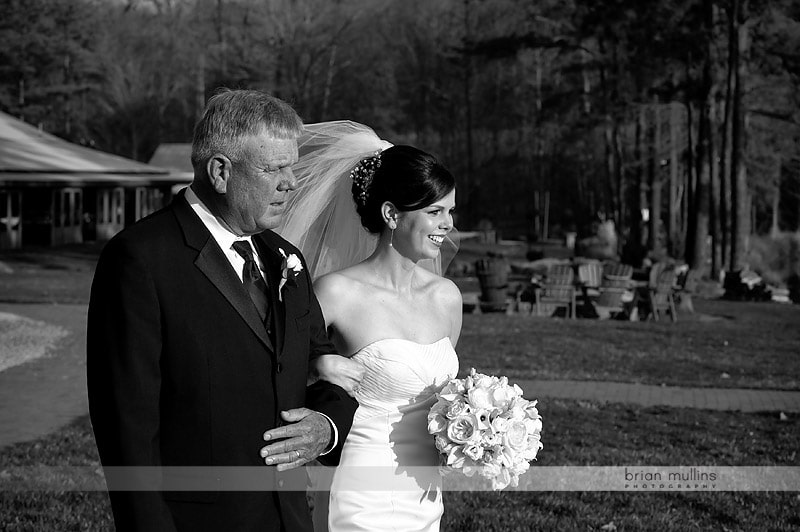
(219,169)
(388,212)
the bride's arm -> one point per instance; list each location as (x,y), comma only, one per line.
(336,369)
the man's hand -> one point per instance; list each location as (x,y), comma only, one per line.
(308,434)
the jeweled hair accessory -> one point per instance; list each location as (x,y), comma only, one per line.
(362,174)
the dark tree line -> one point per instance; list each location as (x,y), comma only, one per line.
(678,119)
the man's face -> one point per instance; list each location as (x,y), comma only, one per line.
(259,184)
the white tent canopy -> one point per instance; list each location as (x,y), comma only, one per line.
(29,156)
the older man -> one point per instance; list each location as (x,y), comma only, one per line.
(202,322)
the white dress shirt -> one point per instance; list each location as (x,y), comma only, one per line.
(225,239)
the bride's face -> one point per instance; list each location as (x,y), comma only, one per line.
(420,233)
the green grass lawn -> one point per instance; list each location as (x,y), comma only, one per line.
(724,344)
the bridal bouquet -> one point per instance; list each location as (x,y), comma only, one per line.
(483,425)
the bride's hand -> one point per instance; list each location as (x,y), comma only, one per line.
(341,371)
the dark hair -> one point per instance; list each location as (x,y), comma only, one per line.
(407,177)
(232,115)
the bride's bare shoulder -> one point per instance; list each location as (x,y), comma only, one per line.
(448,292)
(338,284)
(442,289)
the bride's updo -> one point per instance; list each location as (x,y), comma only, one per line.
(407,177)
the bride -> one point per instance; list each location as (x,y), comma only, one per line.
(371,219)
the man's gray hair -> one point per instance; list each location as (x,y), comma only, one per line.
(233,115)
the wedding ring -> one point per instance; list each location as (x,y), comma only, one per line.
(298,454)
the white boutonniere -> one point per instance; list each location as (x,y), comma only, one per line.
(290,269)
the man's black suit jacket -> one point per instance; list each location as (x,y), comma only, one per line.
(181,371)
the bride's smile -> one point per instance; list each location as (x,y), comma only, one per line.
(437,239)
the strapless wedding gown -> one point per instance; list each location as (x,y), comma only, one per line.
(387,477)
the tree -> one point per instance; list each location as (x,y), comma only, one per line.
(609,106)
(49,62)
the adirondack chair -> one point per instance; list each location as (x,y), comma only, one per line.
(687,287)
(615,290)
(556,291)
(661,297)
(655,271)
(590,276)
(617,275)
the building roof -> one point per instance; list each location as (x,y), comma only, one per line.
(30,156)
(176,157)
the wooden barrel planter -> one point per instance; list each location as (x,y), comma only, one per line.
(493,278)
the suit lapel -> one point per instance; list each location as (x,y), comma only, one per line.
(272,260)
(211,261)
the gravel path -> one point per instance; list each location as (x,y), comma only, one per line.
(43,386)
(23,339)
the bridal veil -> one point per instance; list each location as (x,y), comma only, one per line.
(321,218)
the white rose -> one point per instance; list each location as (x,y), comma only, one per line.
(516,437)
(534,426)
(463,429)
(500,424)
(502,396)
(484,381)
(516,409)
(456,408)
(480,398)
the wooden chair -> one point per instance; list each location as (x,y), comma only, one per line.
(617,275)
(590,277)
(615,292)
(611,302)
(557,290)
(687,287)
(661,297)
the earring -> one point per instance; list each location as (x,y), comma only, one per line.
(392,226)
